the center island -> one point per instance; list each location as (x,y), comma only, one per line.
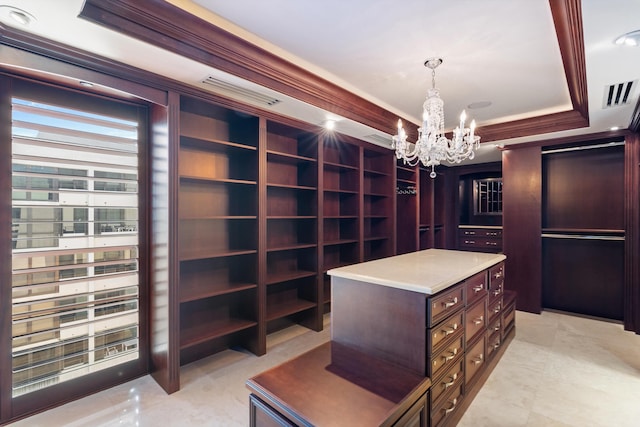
(436,314)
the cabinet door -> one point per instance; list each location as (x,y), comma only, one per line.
(263,415)
(416,416)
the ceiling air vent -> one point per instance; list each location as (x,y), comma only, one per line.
(618,94)
(238,92)
(379,140)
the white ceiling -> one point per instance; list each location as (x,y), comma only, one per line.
(502,51)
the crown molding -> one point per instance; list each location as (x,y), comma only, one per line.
(170,27)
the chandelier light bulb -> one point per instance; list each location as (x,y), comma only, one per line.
(432,146)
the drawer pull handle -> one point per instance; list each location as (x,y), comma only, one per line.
(497,275)
(478,288)
(497,327)
(478,320)
(497,309)
(469,242)
(478,359)
(497,292)
(451,330)
(452,407)
(450,303)
(452,379)
(496,345)
(451,355)
(470,233)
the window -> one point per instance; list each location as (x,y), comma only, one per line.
(75,296)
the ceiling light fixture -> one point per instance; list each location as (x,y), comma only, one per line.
(16,15)
(629,39)
(432,146)
(329,124)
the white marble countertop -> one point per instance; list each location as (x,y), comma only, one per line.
(428,272)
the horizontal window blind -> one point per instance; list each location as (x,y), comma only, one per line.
(75,281)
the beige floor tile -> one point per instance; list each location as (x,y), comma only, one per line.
(559,371)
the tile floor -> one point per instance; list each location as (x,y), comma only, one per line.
(560,370)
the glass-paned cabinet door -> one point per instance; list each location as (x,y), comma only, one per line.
(487,196)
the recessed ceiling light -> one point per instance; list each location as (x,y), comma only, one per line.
(329,124)
(479,104)
(629,39)
(10,14)
(614,128)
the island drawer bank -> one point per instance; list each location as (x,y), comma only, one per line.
(444,314)
(441,315)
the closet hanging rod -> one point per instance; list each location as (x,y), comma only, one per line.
(582,237)
(583,147)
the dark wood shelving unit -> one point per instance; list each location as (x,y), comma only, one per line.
(341,224)
(265,208)
(292,291)
(378,204)
(407,208)
(218,229)
(432,212)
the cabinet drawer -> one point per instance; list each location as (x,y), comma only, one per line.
(475,359)
(475,320)
(446,356)
(493,343)
(441,412)
(443,305)
(495,326)
(509,312)
(480,232)
(480,243)
(451,378)
(496,292)
(509,316)
(476,287)
(496,275)
(494,308)
(445,329)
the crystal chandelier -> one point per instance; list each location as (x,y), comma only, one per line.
(432,146)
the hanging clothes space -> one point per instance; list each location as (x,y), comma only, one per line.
(583,230)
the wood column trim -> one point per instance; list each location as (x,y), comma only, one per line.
(632,234)
(522,225)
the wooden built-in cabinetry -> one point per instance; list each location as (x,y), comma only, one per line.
(454,336)
(341,208)
(422,368)
(481,239)
(218,229)
(408,208)
(479,207)
(265,208)
(420,211)
(291,226)
(466,327)
(378,230)
(334,385)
